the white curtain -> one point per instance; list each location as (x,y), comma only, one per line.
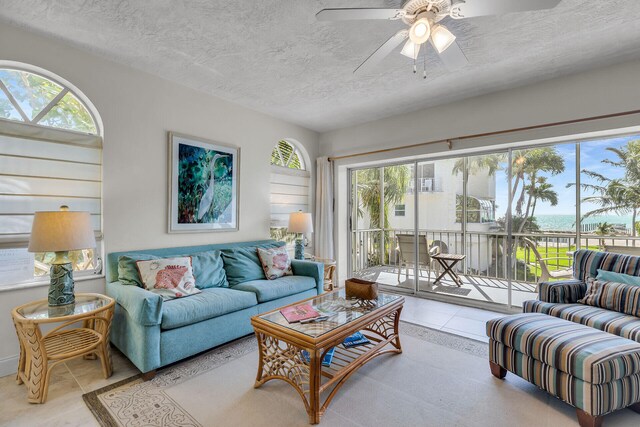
(324,209)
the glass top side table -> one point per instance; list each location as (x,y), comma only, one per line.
(40,353)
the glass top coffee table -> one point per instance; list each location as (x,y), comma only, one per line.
(295,352)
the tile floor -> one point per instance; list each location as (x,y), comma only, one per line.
(69,381)
(473,287)
(465,321)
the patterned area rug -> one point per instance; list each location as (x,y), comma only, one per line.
(134,402)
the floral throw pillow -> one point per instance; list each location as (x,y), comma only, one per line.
(275,262)
(169,277)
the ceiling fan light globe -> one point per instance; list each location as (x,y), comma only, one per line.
(420,31)
(410,50)
(441,38)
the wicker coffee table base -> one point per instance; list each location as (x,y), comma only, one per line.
(281,358)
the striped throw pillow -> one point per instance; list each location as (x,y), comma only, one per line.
(619,297)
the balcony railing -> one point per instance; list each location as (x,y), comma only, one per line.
(426,185)
(486,251)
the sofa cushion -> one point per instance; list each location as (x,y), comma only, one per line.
(242,264)
(128,273)
(168,277)
(211,302)
(605,320)
(267,290)
(610,276)
(619,297)
(586,263)
(208,268)
(275,262)
(581,351)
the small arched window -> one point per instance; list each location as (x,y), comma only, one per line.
(290,187)
(285,154)
(35,99)
(50,155)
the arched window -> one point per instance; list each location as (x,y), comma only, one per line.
(285,154)
(32,98)
(290,186)
(50,155)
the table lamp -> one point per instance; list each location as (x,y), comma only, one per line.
(60,232)
(300,222)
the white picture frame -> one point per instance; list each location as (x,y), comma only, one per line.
(203,185)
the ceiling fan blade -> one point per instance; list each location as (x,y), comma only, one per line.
(382,51)
(453,57)
(469,8)
(348,14)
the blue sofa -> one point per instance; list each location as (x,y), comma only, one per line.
(153,333)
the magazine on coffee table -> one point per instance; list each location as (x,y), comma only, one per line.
(326,361)
(355,340)
(298,313)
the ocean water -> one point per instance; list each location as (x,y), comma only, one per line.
(567,222)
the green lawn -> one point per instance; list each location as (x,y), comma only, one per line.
(562,262)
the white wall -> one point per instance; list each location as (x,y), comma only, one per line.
(137,110)
(594,93)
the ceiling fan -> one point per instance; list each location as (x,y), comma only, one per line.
(424,20)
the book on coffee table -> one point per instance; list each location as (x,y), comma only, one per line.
(355,340)
(297,313)
(326,361)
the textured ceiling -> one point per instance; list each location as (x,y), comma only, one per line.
(272,55)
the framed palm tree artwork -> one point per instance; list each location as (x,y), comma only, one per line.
(203,185)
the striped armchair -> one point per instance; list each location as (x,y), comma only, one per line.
(586,263)
(560,299)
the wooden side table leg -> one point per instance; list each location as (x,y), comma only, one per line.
(22,359)
(38,366)
(104,328)
(105,360)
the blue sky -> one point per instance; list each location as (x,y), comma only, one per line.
(591,155)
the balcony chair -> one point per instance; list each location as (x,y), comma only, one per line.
(542,262)
(406,246)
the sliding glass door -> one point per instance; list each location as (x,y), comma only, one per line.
(382,207)
(496,223)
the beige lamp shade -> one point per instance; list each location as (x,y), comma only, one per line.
(300,222)
(61,231)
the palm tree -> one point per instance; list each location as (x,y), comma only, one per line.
(542,191)
(476,164)
(527,166)
(604,229)
(396,182)
(617,195)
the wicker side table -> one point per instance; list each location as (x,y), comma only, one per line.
(329,272)
(40,353)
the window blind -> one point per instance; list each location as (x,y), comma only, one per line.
(290,189)
(43,170)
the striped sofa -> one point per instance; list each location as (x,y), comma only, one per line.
(587,356)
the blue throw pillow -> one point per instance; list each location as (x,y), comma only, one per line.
(208,269)
(242,264)
(128,273)
(610,276)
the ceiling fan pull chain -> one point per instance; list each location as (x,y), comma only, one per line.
(424,67)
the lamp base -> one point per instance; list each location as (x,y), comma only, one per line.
(61,287)
(299,254)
